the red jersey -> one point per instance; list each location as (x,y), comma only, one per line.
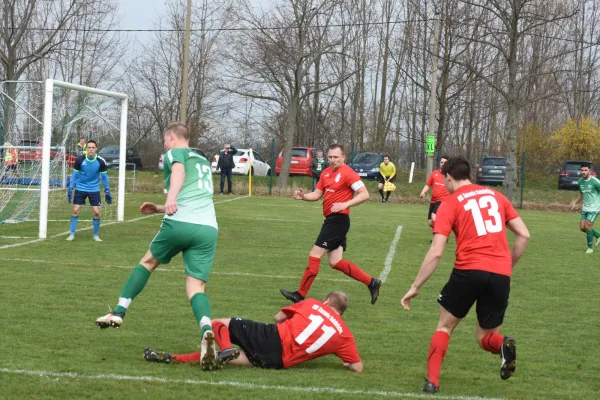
(437,185)
(339,186)
(314,330)
(478,217)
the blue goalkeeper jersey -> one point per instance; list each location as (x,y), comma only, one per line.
(88,177)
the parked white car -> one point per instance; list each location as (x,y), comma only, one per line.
(242,160)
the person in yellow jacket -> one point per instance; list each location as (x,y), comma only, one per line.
(387,173)
(11,157)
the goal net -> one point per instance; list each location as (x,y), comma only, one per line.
(41,124)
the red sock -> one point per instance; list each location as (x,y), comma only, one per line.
(492,342)
(353,271)
(221,335)
(310,273)
(186,358)
(437,351)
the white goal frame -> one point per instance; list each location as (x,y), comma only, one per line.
(47,135)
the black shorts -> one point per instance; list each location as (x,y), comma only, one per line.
(260,342)
(93,197)
(489,290)
(433,207)
(333,232)
(381,180)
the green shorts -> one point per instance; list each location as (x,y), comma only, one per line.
(197,243)
(589,216)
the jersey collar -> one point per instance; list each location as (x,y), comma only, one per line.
(91,159)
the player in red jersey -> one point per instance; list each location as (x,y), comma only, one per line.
(303,331)
(484,262)
(338,183)
(438,193)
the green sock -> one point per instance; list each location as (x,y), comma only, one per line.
(590,239)
(201,307)
(134,285)
(596,233)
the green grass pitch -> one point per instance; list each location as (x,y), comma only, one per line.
(53,290)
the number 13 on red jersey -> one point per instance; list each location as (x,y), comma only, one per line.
(491,225)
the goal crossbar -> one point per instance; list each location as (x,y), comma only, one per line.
(46,145)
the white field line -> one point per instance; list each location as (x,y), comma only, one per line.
(387,265)
(91,227)
(231,273)
(237,384)
(16,237)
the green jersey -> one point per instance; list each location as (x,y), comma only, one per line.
(195,199)
(590,188)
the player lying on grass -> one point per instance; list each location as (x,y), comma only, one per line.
(303,331)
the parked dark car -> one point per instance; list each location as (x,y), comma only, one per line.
(111,156)
(568,175)
(367,164)
(492,171)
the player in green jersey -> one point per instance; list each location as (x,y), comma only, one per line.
(189,226)
(589,191)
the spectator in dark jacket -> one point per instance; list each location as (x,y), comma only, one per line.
(226,165)
(317,165)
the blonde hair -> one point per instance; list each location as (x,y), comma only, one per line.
(179,129)
(338,300)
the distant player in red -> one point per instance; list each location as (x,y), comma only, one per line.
(438,193)
(484,262)
(338,183)
(303,331)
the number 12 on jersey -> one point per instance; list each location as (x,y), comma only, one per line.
(316,321)
(493,225)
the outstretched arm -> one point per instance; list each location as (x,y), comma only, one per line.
(577,200)
(312,196)
(428,267)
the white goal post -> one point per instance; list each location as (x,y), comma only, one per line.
(46,144)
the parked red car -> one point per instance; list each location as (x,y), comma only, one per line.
(301,159)
(36,154)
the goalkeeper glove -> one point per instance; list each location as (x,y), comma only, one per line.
(107,196)
(70,194)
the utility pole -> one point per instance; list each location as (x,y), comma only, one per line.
(186,65)
(430,143)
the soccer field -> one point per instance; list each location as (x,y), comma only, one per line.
(53,290)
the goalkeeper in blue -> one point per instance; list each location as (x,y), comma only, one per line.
(88,170)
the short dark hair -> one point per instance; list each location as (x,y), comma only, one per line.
(179,129)
(386,155)
(458,168)
(584,165)
(337,146)
(91,141)
(445,156)
(337,300)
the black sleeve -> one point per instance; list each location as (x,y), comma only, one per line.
(313,166)
(220,161)
(103,167)
(233,150)
(78,161)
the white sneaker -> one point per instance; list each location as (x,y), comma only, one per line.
(109,320)
(97,239)
(70,238)
(589,251)
(208,353)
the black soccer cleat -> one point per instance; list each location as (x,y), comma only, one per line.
(509,357)
(294,297)
(374,289)
(227,355)
(430,387)
(157,356)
